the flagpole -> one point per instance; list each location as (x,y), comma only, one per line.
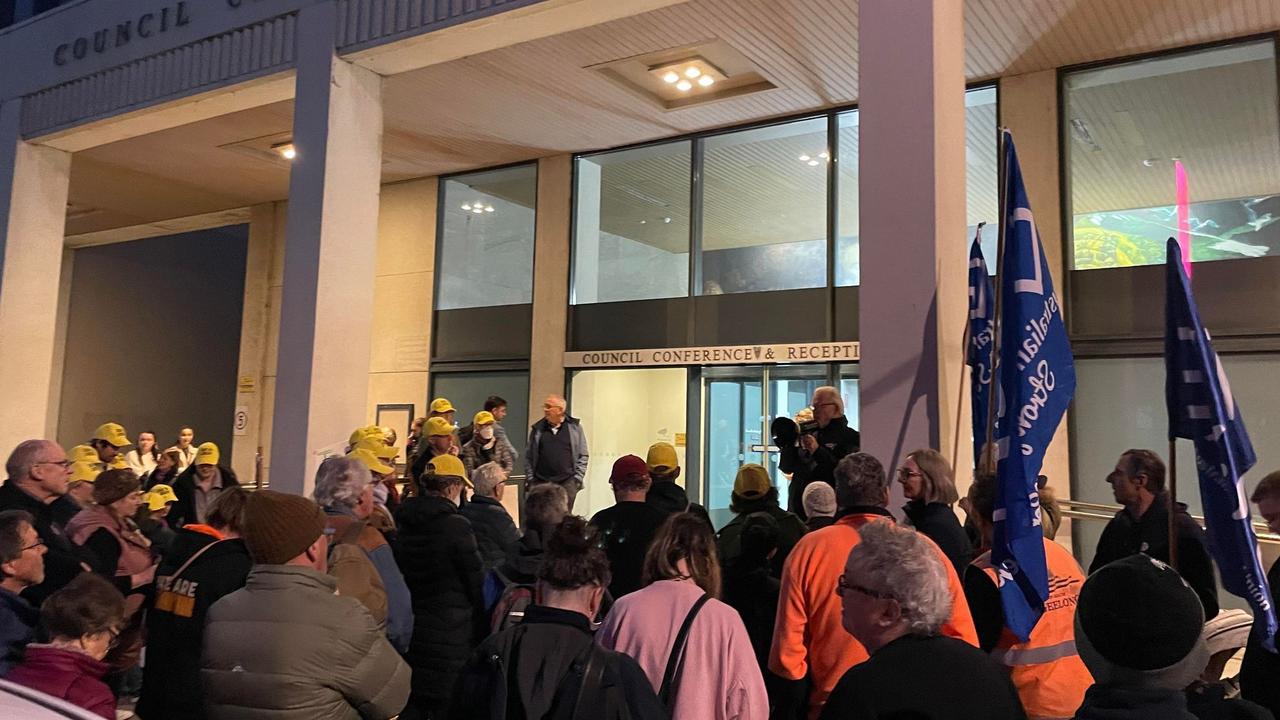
(955,448)
(989,448)
(1173,502)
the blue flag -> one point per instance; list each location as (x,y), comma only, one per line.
(1037,378)
(1203,410)
(982,319)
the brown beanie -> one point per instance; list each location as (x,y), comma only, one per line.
(279,527)
(113,485)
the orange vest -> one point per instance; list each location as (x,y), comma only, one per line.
(1047,671)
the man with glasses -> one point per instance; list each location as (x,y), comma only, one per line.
(817,453)
(21,566)
(38,474)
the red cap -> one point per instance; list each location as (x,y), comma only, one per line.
(628,465)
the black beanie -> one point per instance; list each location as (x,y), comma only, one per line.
(1138,613)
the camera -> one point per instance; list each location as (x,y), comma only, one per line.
(808,427)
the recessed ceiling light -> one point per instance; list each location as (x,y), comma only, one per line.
(488,208)
(644,222)
(706,81)
(692,72)
(285,150)
(671,77)
(466,206)
(666,220)
(824,155)
(804,158)
(813,163)
(684,86)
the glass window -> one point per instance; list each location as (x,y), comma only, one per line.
(1124,125)
(468,391)
(631,237)
(765,209)
(486,246)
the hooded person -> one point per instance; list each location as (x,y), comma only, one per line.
(199,484)
(753,492)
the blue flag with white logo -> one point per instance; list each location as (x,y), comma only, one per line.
(1203,410)
(982,319)
(1037,378)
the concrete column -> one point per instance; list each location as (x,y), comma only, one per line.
(330,256)
(913,254)
(253,342)
(586,277)
(550,281)
(34,181)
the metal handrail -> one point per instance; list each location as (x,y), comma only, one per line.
(1103,511)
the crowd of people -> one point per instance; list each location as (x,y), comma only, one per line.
(153,576)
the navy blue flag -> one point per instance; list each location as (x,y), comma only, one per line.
(1037,378)
(1203,410)
(982,320)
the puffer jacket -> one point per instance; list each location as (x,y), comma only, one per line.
(495,530)
(329,660)
(790,529)
(441,566)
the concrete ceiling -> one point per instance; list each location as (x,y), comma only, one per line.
(541,98)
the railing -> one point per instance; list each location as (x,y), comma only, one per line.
(1080,510)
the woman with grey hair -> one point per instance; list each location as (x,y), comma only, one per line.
(359,556)
(895,598)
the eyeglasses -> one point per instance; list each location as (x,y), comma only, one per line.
(115,637)
(33,546)
(843,585)
(905,473)
(66,464)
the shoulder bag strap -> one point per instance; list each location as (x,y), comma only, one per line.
(592,680)
(197,554)
(670,679)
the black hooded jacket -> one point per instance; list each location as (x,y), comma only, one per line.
(790,528)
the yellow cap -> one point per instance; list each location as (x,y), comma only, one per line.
(440,405)
(752,481)
(438,426)
(449,465)
(85,471)
(484,417)
(366,432)
(207,454)
(113,433)
(371,461)
(380,450)
(159,496)
(662,458)
(118,463)
(83,453)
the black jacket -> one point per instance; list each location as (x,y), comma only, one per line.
(175,625)
(949,679)
(670,498)
(1260,670)
(441,566)
(835,441)
(523,559)
(939,523)
(627,529)
(495,530)
(184,511)
(1149,534)
(790,529)
(62,560)
(753,592)
(536,669)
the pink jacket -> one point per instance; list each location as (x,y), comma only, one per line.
(720,681)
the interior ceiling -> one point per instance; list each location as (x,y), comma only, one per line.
(538,98)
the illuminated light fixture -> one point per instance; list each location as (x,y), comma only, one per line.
(692,72)
(804,158)
(683,74)
(824,155)
(671,77)
(666,220)
(813,163)
(285,150)
(684,86)
(466,206)
(706,81)
(488,208)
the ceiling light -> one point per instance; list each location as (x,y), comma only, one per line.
(824,155)
(666,220)
(706,81)
(488,208)
(285,150)
(813,163)
(477,209)
(644,222)
(804,158)
(466,206)
(684,86)
(671,77)
(692,72)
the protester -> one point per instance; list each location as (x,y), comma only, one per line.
(1260,670)
(359,556)
(497,407)
(1139,631)
(544,664)
(441,565)
(383,469)
(495,530)
(895,598)
(184,448)
(557,450)
(144,457)
(199,484)
(809,641)
(443,409)
(930,489)
(627,529)
(83,621)
(815,455)
(1046,669)
(819,500)
(437,441)
(205,563)
(484,446)
(509,588)
(328,661)
(1142,526)
(166,470)
(21,566)
(699,669)
(38,471)
(107,441)
(80,482)
(664,493)
(152,515)
(415,436)
(753,492)
(752,590)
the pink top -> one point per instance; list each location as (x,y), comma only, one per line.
(720,681)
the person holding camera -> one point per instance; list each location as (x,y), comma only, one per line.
(813,455)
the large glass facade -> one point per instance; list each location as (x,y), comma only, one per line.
(1124,126)
(486,238)
(468,391)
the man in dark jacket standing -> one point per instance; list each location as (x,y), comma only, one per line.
(441,566)
(205,563)
(557,450)
(495,530)
(627,528)
(1143,526)
(199,484)
(753,492)
(816,454)
(38,472)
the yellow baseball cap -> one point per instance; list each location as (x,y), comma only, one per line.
(207,454)
(380,450)
(371,461)
(752,481)
(118,463)
(438,426)
(85,471)
(662,458)
(440,405)
(484,417)
(366,432)
(83,453)
(112,433)
(159,496)
(449,465)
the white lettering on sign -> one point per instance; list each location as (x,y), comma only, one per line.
(722,355)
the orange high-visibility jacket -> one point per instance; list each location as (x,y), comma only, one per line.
(809,638)
(1047,671)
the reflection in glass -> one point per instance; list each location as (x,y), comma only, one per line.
(486,245)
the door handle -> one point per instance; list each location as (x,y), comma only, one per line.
(765,448)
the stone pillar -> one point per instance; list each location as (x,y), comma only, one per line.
(913,253)
(550,283)
(331,243)
(254,326)
(34,181)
